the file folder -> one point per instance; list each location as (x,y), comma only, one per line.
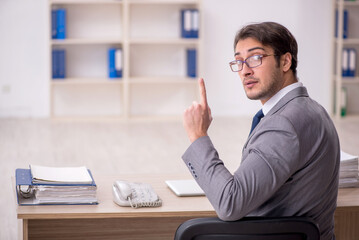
(118,63)
(25,190)
(191,63)
(53,24)
(186,23)
(349,62)
(352,62)
(61,23)
(189,23)
(114,63)
(345,62)
(195,23)
(58,63)
(345,23)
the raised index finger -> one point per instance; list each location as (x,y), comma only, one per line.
(202,90)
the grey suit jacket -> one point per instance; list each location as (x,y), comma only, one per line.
(289,167)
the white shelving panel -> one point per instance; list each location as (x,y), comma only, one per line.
(352,41)
(154,81)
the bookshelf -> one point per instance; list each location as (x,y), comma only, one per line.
(154,82)
(345,88)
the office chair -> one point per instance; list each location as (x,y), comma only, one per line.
(249,228)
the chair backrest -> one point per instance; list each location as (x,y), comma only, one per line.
(249,228)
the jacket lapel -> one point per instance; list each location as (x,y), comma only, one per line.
(297,92)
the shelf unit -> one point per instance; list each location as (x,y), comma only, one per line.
(352,41)
(154,82)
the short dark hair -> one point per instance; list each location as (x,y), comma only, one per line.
(273,35)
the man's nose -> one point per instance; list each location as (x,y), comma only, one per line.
(246,71)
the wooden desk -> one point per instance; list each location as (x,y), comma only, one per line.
(347,214)
(110,221)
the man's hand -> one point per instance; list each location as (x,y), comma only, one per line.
(197,118)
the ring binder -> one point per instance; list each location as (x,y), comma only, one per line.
(30,193)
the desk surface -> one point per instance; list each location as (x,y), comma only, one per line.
(172,206)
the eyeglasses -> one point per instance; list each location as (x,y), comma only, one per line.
(252,62)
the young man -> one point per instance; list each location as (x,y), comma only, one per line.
(290,161)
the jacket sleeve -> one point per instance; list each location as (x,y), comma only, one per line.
(269,158)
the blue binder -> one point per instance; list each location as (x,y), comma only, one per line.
(194,23)
(115,63)
(345,23)
(62,63)
(345,62)
(54,63)
(61,23)
(186,23)
(58,63)
(349,62)
(191,63)
(352,62)
(53,24)
(25,188)
(189,23)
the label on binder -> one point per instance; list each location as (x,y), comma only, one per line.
(352,62)
(345,64)
(195,20)
(118,59)
(187,20)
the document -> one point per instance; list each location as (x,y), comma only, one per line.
(349,173)
(60,175)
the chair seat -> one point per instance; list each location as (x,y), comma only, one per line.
(249,228)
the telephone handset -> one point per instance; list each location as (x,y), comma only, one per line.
(134,194)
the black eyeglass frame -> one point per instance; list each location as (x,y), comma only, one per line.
(261,56)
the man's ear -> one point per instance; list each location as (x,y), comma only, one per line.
(286,61)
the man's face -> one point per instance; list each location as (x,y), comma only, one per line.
(261,82)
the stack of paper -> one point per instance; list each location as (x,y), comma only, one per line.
(50,185)
(348,174)
(46,194)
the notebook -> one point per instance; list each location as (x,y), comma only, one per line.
(185,188)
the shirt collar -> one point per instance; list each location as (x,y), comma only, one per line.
(278,96)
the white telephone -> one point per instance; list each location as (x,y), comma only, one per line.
(135,194)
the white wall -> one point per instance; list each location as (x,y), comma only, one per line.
(24,85)
(24,75)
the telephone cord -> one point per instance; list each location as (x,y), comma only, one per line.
(156,203)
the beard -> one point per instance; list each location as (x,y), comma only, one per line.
(266,89)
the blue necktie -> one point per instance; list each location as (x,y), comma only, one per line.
(256,119)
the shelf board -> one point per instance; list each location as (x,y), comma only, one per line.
(85,41)
(163,2)
(170,41)
(87,118)
(162,80)
(85,81)
(348,40)
(86,1)
(348,80)
(349,3)
(159,118)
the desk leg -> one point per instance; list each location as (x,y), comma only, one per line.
(25,229)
